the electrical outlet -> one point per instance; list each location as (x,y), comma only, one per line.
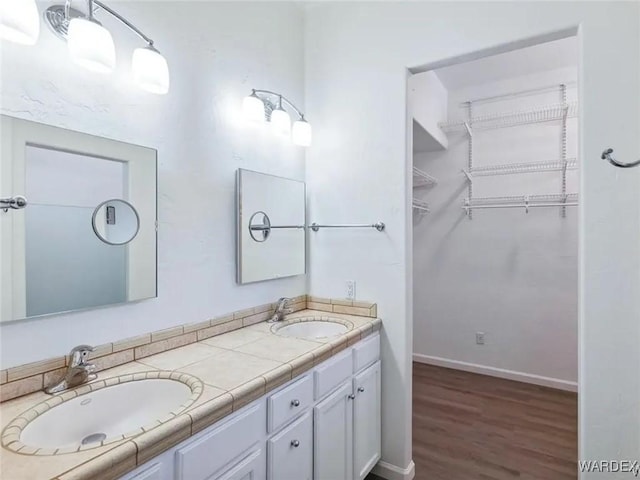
(350,293)
(479,338)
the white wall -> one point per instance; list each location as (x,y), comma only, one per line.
(356,60)
(217,52)
(428,102)
(511,275)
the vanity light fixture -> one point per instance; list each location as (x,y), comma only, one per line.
(280,120)
(19,21)
(90,44)
(266,106)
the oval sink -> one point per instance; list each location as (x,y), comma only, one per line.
(313,329)
(108,412)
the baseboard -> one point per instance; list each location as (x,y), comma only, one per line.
(497,372)
(393,472)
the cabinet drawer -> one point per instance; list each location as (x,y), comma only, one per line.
(291,452)
(289,402)
(203,457)
(366,352)
(332,373)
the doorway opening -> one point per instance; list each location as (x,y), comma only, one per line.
(495,263)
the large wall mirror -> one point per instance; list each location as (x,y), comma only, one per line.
(77,221)
(271,227)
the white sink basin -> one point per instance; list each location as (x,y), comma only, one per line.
(111,412)
(313,329)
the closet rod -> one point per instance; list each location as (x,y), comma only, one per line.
(521,93)
(521,205)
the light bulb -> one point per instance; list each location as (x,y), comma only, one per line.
(301,133)
(253,108)
(280,122)
(150,70)
(19,21)
(91,45)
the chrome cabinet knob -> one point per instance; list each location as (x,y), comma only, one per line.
(295,443)
(295,403)
(351,397)
(361,389)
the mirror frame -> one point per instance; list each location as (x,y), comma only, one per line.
(239,215)
(16,135)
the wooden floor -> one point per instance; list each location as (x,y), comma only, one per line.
(468,426)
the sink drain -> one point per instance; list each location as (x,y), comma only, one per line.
(94,438)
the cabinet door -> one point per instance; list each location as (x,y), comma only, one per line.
(366,421)
(333,436)
(291,451)
(252,467)
(230,440)
(152,472)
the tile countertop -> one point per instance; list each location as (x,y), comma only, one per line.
(236,368)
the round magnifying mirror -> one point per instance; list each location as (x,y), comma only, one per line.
(115,222)
(259,226)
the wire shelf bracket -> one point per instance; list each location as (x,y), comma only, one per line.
(423,179)
(421,206)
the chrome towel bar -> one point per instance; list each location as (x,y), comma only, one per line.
(15,203)
(380,226)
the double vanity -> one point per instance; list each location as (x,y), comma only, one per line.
(268,392)
(293,399)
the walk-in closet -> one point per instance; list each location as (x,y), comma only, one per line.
(495,261)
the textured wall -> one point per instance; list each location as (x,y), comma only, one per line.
(216,52)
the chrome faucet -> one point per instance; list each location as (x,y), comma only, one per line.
(78,372)
(281,310)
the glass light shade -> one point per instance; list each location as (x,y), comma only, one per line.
(150,70)
(19,21)
(91,45)
(301,133)
(253,108)
(280,122)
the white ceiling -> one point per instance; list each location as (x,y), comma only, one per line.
(545,56)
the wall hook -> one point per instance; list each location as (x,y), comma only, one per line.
(606,155)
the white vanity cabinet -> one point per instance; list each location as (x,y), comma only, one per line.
(252,467)
(366,421)
(155,471)
(347,429)
(291,451)
(333,436)
(322,425)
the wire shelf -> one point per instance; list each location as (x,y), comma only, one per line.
(421,206)
(523,201)
(547,113)
(423,179)
(527,167)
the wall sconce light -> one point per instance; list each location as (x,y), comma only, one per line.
(90,44)
(266,106)
(19,22)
